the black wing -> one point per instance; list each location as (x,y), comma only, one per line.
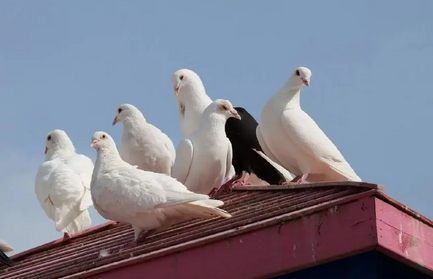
(242,135)
(5,259)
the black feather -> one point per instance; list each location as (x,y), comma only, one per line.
(5,259)
(242,135)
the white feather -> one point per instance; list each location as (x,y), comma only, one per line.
(143,144)
(191,101)
(182,164)
(146,200)
(62,185)
(5,247)
(287,175)
(318,150)
(204,159)
(306,148)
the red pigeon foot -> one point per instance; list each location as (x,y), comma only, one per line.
(241,183)
(213,193)
(142,237)
(66,236)
(297,180)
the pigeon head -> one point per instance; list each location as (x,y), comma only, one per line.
(185,79)
(223,107)
(56,140)
(125,111)
(300,77)
(102,140)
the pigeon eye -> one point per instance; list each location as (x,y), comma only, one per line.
(104,136)
(225,107)
(297,73)
(181,77)
(49,137)
(119,110)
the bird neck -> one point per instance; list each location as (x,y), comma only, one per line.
(289,95)
(212,124)
(191,104)
(58,152)
(134,120)
(108,159)
(194,95)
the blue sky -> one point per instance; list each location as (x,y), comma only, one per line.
(69,64)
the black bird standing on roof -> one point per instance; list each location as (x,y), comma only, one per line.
(242,135)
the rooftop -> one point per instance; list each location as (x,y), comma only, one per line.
(326,216)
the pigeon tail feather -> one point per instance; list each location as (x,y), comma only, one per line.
(203,209)
(79,224)
(287,175)
(5,259)
(75,220)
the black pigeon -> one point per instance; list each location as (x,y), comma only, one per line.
(4,259)
(242,135)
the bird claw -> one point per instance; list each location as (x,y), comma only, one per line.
(296,181)
(240,183)
(213,193)
(142,237)
(224,189)
(66,236)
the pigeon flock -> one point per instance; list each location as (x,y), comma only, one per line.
(151,185)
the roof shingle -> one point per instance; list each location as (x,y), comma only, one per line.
(248,205)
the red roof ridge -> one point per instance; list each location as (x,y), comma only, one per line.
(367,185)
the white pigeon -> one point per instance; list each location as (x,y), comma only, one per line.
(62,184)
(290,137)
(204,158)
(4,248)
(191,100)
(146,200)
(143,144)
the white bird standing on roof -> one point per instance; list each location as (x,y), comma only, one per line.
(191,100)
(204,158)
(290,137)
(62,184)
(4,248)
(143,144)
(146,200)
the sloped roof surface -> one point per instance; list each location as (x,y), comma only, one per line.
(59,259)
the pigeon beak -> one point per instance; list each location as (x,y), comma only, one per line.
(114,121)
(306,82)
(176,90)
(236,114)
(93,144)
(46,150)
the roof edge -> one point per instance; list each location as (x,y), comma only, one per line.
(404,208)
(61,241)
(404,237)
(312,185)
(285,218)
(281,229)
